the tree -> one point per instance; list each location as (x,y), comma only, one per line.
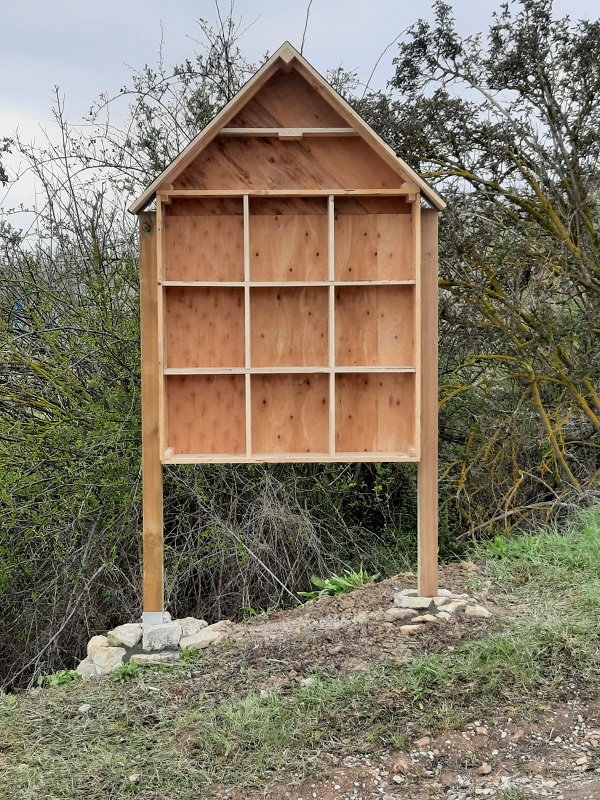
(508,132)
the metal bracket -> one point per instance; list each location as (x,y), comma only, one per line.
(153,618)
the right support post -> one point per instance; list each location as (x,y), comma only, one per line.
(428,464)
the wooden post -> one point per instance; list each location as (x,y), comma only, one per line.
(428,465)
(152,487)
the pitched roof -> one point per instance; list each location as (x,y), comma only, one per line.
(288,57)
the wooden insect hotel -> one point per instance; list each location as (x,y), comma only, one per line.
(288,299)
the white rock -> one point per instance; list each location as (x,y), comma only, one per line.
(456,605)
(148,659)
(440,601)
(85,708)
(108,659)
(87,668)
(165,636)
(425,618)
(409,629)
(445,593)
(202,639)
(443,615)
(477,611)
(394,614)
(191,625)
(407,601)
(409,592)
(125,635)
(94,643)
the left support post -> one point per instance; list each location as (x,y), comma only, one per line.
(152,477)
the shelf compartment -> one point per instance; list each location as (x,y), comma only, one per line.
(204,240)
(205,414)
(375,414)
(289,327)
(204,327)
(288,240)
(370,242)
(374,326)
(290,414)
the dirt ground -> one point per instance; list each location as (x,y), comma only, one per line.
(509,753)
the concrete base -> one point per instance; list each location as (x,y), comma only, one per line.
(154,618)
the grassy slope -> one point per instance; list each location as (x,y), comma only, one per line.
(159,735)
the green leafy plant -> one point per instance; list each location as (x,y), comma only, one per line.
(125,672)
(190,655)
(61,678)
(339,584)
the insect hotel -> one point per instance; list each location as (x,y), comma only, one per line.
(288,300)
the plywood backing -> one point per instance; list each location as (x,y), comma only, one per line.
(290,414)
(288,247)
(287,100)
(372,247)
(204,245)
(204,327)
(257,163)
(289,327)
(206,414)
(375,413)
(374,326)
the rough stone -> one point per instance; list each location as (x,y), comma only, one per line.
(444,616)
(445,593)
(85,708)
(165,636)
(202,639)
(125,635)
(191,625)
(94,643)
(441,601)
(87,668)
(477,611)
(408,593)
(108,659)
(394,614)
(484,769)
(456,605)
(407,601)
(148,659)
(425,618)
(409,629)
(222,625)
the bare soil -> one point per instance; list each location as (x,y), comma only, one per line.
(551,751)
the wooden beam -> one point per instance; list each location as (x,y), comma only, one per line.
(428,464)
(406,190)
(152,489)
(286,133)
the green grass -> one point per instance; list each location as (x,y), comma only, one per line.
(160,735)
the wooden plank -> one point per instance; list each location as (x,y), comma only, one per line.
(374,414)
(204,327)
(204,247)
(277,370)
(374,247)
(375,326)
(331,316)
(402,191)
(152,488)
(289,327)
(288,247)
(428,465)
(287,458)
(296,133)
(290,414)
(247,325)
(206,414)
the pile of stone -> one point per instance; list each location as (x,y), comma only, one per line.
(415,611)
(149,644)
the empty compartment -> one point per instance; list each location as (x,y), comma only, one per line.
(204,327)
(290,414)
(374,326)
(205,414)
(373,240)
(288,240)
(375,413)
(204,240)
(289,326)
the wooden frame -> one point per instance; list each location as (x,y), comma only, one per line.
(289,300)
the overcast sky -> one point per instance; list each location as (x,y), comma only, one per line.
(87,48)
